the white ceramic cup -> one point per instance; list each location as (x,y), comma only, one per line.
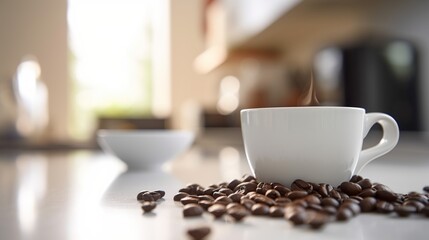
(316,144)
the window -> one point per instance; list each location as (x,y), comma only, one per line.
(111,61)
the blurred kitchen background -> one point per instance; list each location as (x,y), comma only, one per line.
(71,67)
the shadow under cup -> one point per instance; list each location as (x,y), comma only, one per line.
(316,144)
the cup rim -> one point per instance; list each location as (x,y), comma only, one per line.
(300,108)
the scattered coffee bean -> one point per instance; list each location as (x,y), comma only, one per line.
(318,220)
(328,201)
(293,195)
(217,210)
(282,190)
(247,203)
(384,207)
(145,197)
(368,204)
(369,192)
(199,233)
(223,200)
(260,209)
(189,199)
(386,195)
(272,193)
(297,215)
(350,188)
(301,203)
(234,183)
(404,210)
(148,206)
(179,196)
(356,178)
(192,210)
(238,213)
(205,204)
(365,183)
(301,185)
(155,195)
(426,189)
(344,214)
(140,195)
(276,212)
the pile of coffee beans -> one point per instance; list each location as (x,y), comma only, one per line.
(302,203)
(148,199)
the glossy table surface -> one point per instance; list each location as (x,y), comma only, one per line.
(91,195)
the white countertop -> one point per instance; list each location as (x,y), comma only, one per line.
(89,195)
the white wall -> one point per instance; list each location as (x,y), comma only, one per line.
(38,28)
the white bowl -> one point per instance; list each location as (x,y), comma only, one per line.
(144,149)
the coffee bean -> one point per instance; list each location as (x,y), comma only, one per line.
(297,194)
(247,178)
(365,183)
(218,194)
(330,210)
(297,215)
(161,192)
(384,207)
(282,190)
(420,198)
(350,188)
(316,207)
(205,197)
(368,204)
(232,205)
(273,194)
(356,178)
(351,200)
(148,206)
(155,195)
(179,196)
(247,203)
(381,187)
(335,194)
(344,214)
(357,198)
(282,201)
(300,202)
(260,209)
(223,185)
(262,187)
(139,195)
(208,191)
(223,200)
(324,189)
(199,233)
(276,212)
(238,213)
(301,185)
(318,220)
(217,210)
(329,202)
(146,197)
(386,196)
(231,185)
(426,189)
(312,199)
(405,210)
(418,205)
(185,190)
(189,199)
(225,191)
(369,192)
(205,204)
(192,210)
(245,187)
(354,207)
(235,197)
(259,198)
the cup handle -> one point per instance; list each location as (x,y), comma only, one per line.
(388,141)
